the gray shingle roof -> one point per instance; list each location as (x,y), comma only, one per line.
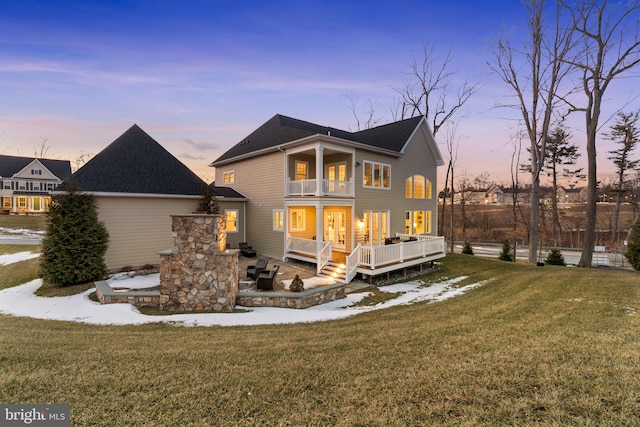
(10,165)
(282,129)
(136,163)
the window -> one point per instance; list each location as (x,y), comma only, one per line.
(22,202)
(36,172)
(228,177)
(278,220)
(417,222)
(6,202)
(297,220)
(418,187)
(376,226)
(36,186)
(302,170)
(376,175)
(22,185)
(232,220)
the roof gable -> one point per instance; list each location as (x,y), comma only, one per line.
(281,129)
(13,165)
(136,163)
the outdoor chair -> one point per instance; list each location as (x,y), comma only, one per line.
(246,250)
(253,271)
(267,278)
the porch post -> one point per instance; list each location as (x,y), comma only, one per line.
(319,173)
(319,224)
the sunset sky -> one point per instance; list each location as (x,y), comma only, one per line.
(198,76)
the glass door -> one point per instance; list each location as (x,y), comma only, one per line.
(335,228)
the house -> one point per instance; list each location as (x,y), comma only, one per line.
(572,195)
(26,183)
(316,193)
(138,185)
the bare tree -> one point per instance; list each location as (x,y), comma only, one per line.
(369,120)
(536,90)
(428,89)
(608,47)
(624,132)
(41,149)
(451,140)
(82,158)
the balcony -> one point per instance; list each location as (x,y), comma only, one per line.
(317,188)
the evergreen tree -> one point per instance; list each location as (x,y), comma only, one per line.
(507,251)
(467,249)
(208,201)
(555,257)
(633,248)
(76,241)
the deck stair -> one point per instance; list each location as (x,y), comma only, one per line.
(335,271)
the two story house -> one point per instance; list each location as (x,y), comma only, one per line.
(365,200)
(26,183)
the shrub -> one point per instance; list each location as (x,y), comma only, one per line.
(507,252)
(633,246)
(208,202)
(555,257)
(297,285)
(73,248)
(467,249)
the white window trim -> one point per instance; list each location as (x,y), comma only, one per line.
(295,171)
(382,165)
(237,230)
(293,226)
(281,214)
(225,176)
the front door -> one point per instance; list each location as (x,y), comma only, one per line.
(335,228)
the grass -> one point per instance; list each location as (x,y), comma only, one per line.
(20,272)
(29,222)
(534,346)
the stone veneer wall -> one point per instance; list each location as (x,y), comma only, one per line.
(304,299)
(199,274)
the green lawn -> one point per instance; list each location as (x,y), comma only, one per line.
(534,346)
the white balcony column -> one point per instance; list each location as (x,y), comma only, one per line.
(319,173)
(319,225)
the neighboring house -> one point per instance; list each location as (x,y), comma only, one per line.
(317,193)
(572,195)
(26,183)
(138,185)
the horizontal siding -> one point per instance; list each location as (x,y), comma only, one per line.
(233,239)
(417,159)
(139,228)
(262,181)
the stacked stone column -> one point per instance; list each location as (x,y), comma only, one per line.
(199,274)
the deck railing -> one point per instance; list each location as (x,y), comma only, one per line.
(375,256)
(324,256)
(309,187)
(302,246)
(352,263)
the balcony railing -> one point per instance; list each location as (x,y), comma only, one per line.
(309,187)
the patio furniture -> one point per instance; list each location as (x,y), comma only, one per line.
(246,250)
(253,271)
(266,278)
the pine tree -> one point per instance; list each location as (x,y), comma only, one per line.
(467,249)
(633,248)
(555,257)
(76,241)
(507,252)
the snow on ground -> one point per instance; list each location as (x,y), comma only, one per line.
(22,301)
(17,257)
(20,233)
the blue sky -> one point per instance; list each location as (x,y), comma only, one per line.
(198,76)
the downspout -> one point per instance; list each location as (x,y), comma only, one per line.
(284,208)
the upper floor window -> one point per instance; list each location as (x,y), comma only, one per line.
(228,177)
(6,185)
(36,172)
(418,187)
(302,170)
(376,175)
(22,185)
